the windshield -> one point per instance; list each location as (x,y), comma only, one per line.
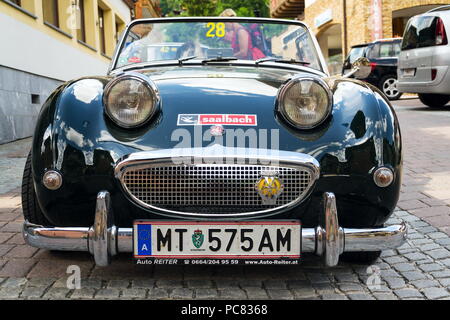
(147,42)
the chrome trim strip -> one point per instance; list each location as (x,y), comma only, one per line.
(217,154)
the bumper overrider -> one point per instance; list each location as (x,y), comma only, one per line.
(105,240)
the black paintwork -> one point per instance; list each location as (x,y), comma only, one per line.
(74,136)
(386,66)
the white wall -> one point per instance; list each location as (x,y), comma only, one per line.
(122,8)
(28,49)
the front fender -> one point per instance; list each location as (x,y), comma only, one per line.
(74,136)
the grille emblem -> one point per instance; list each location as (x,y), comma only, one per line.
(217,131)
(269,187)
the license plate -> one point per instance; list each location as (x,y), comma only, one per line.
(186,242)
(409,72)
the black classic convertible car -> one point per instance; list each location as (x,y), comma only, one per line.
(232,146)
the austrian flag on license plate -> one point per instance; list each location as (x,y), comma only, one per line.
(218,241)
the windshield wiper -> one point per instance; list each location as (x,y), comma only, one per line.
(181,60)
(219,59)
(290,61)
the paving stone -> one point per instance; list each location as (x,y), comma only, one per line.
(446,262)
(385,296)
(182,293)
(347,277)
(359,296)
(169,284)
(275,284)
(107,293)
(439,254)
(318,278)
(435,293)
(324,288)
(443,241)
(9,293)
(254,293)
(426,283)
(334,296)
(280,294)
(304,293)
(225,283)
(197,284)
(388,253)
(395,259)
(395,283)
(91,283)
(40,282)
(403,267)
(33,292)
(158,293)
(429,246)
(441,274)
(56,293)
(431,267)
(232,294)
(118,284)
(251,284)
(207,294)
(14,282)
(445,282)
(414,275)
(349,287)
(415,256)
(83,293)
(133,293)
(143,283)
(408,293)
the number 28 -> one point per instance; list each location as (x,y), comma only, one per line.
(215,29)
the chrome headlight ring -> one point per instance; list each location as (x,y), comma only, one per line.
(283,92)
(148,90)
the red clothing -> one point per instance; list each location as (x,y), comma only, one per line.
(253,53)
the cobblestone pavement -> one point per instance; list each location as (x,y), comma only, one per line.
(420,269)
(12,160)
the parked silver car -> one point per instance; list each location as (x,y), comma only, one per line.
(424,61)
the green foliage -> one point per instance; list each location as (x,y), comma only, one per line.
(243,8)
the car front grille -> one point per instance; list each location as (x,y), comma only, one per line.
(209,189)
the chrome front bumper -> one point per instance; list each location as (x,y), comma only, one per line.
(104,240)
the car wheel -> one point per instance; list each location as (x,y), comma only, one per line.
(360,257)
(434,100)
(388,85)
(31,210)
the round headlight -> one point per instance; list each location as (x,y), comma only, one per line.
(305,102)
(130,100)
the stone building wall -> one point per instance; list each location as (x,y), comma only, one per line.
(21,97)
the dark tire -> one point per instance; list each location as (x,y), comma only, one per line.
(360,257)
(388,85)
(434,100)
(30,207)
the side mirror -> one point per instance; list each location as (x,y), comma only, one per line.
(360,69)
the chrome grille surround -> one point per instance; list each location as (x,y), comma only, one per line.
(199,183)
